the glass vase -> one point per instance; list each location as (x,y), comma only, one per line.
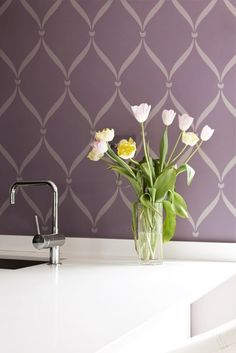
(149,237)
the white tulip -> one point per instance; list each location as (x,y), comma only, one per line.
(206,133)
(185,121)
(190,138)
(105,135)
(141,112)
(168,116)
(94,155)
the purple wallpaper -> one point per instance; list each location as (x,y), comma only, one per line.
(69,68)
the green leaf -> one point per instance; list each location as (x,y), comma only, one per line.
(189,170)
(190,174)
(137,188)
(164,183)
(169,221)
(119,161)
(150,162)
(179,205)
(139,179)
(145,200)
(152,192)
(163,148)
(145,169)
(181,169)
(120,170)
(156,166)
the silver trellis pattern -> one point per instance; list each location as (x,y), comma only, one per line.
(70,67)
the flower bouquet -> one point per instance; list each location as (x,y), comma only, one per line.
(153,179)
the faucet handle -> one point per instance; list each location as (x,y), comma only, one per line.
(37,224)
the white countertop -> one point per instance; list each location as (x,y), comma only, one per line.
(83,305)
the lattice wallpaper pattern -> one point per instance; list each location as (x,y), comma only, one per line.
(70,67)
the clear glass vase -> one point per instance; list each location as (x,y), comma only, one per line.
(149,237)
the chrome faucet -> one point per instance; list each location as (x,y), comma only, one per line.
(54,240)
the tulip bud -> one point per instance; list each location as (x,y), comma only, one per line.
(185,121)
(206,133)
(141,112)
(168,117)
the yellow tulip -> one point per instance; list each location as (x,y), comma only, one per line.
(126,148)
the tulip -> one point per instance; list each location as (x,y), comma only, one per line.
(100,146)
(206,133)
(185,121)
(105,135)
(190,138)
(98,150)
(141,112)
(126,148)
(168,116)
(94,155)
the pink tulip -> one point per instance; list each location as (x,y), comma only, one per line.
(100,146)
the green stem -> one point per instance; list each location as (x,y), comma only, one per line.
(133,161)
(106,160)
(115,161)
(112,161)
(179,154)
(120,161)
(193,153)
(146,155)
(110,157)
(175,146)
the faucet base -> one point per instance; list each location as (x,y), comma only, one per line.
(54,255)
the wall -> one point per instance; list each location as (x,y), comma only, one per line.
(69,68)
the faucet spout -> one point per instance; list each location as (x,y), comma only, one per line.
(52,185)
